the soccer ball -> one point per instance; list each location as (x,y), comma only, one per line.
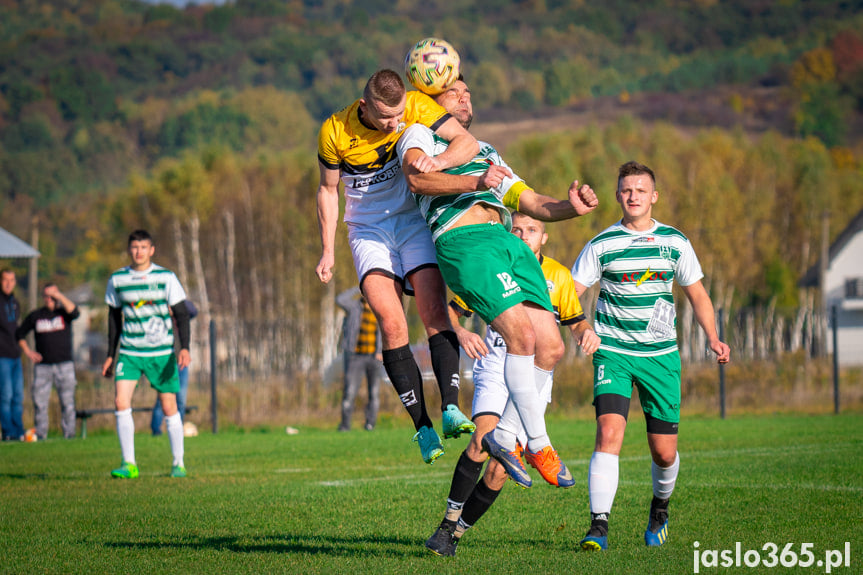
(432,66)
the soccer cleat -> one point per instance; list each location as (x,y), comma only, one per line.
(455,422)
(657,523)
(510,461)
(550,466)
(430,445)
(442,542)
(595,540)
(125,471)
(178,471)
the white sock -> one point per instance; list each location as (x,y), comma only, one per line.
(510,426)
(602,481)
(174,425)
(664,478)
(521,383)
(126,434)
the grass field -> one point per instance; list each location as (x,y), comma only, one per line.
(325,502)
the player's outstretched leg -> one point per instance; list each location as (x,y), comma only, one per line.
(444,351)
(657,523)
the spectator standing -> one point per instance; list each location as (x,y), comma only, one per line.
(11,375)
(361,343)
(52,359)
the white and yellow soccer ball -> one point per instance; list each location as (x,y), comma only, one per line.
(432,66)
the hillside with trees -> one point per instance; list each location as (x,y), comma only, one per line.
(200,124)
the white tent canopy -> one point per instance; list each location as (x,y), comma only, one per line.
(13,247)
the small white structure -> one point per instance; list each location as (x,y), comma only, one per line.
(843,288)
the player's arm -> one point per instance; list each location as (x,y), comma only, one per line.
(462,148)
(442,184)
(115,325)
(182,321)
(583,334)
(704,315)
(581,201)
(328,219)
(470,342)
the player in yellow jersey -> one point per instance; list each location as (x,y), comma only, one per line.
(492,410)
(391,245)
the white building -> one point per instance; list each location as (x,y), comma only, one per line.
(843,288)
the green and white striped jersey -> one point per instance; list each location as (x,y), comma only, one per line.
(441,212)
(145,298)
(635,312)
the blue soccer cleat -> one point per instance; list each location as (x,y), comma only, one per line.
(455,422)
(595,540)
(657,523)
(430,445)
(510,461)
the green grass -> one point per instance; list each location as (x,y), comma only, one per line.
(327,502)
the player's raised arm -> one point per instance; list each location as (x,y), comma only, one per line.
(581,201)
(328,219)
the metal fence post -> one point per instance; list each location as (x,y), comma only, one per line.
(834,313)
(214,402)
(722,366)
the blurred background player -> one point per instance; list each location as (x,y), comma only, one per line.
(361,345)
(391,246)
(495,273)
(636,262)
(141,299)
(53,363)
(469,500)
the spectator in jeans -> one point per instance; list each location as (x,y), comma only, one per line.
(52,359)
(11,376)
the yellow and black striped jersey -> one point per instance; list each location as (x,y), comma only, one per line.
(367,158)
(561,290)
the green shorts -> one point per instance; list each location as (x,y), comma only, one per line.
(657,379)
(161,371)
(491,269)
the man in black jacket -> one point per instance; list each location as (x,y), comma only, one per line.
(52,359)
(11,376)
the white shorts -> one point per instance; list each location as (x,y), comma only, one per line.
(489,388)
(397,246)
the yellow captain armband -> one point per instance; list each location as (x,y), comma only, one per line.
(510,199)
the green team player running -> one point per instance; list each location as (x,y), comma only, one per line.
(636,262)
(141,298)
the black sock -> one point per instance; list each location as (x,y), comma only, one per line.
(478,503)
(443,347)
(600,522)
(407,380)
(464,478)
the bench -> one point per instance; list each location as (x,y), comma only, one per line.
(85,414)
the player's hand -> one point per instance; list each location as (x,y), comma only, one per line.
(324,270)
(722,351)
(589,341)
(582,198)
(472,344)
(108,367)
(492,177)
(424,164)
(184,359)
(34,356)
